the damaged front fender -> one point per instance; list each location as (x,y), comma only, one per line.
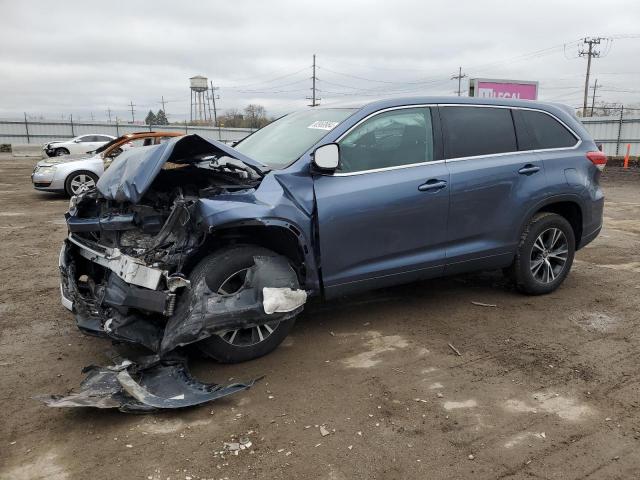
(269,293)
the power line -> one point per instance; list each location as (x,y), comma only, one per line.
(460,76)
(590,53)
(241,86)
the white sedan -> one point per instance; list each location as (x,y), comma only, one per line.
(81,144)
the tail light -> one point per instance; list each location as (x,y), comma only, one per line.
(598,158)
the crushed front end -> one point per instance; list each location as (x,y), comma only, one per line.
(132,242)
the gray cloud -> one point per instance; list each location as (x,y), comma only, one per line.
(83,57)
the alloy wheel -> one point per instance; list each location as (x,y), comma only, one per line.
(243,337)
(81,183)
(549,255)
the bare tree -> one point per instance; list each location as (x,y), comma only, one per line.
(256,116)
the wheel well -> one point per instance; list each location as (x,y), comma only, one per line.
(572,212)
(279,239)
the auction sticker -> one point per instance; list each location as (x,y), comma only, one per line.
(323,125)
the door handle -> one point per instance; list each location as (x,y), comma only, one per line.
(528,169)
(432,185)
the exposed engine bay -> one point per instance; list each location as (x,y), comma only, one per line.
(132,243)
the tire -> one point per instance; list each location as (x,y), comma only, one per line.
(58,152)
(217,268)
(79,181)
(545,254)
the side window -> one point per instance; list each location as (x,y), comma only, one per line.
(537,130)
(102,138)
(86,139)
(472,131)
(389,139)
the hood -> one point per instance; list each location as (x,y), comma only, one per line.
(64,159)
(132,172)
(54,142)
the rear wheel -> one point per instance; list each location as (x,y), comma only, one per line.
(79,182)
(545,254)
(224,272)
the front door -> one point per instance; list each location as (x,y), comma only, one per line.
(383,214)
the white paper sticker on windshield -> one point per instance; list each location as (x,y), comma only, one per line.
(323,125)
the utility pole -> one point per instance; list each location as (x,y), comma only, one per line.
(162,102)
(590,52)
(314,98)
(459,77)
(133,117)
(109,113)
(213,99)
(593,98)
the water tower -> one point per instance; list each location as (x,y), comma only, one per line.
(200,100)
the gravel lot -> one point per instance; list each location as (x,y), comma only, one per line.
(546,387)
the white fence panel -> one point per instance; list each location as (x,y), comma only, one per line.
(41,132)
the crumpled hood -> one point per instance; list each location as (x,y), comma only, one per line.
(132,173)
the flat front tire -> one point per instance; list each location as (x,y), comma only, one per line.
(545,254)
(224,271)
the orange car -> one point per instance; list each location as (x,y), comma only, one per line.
(74,174)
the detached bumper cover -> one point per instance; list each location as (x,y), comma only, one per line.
(147,386)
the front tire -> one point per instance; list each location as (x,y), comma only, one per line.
(60,151)
(545,254)
(79,182)
(223,271)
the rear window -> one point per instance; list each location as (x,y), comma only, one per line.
(471,131)
(537,130)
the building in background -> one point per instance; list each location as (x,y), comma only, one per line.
(499,88)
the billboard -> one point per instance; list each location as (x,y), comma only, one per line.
(497,88)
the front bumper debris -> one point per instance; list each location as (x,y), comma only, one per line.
(149,385)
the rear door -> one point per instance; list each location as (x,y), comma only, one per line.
(382,215)
(493,185)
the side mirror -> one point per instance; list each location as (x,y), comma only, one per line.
(327,157)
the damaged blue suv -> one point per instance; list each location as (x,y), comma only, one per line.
(195,242)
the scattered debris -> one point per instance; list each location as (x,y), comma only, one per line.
(480,304)
(471,457)
(323,431)
(454,349)
(439,395)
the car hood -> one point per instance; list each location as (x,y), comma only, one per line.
(47,162)
(133,171)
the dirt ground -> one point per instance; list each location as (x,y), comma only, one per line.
(546,387)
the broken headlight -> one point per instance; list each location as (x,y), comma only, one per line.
(73,202)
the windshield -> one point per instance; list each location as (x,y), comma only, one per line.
(281,143)
(106,145)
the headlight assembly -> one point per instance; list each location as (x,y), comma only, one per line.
(45,170)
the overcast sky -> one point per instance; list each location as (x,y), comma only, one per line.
(83,57)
